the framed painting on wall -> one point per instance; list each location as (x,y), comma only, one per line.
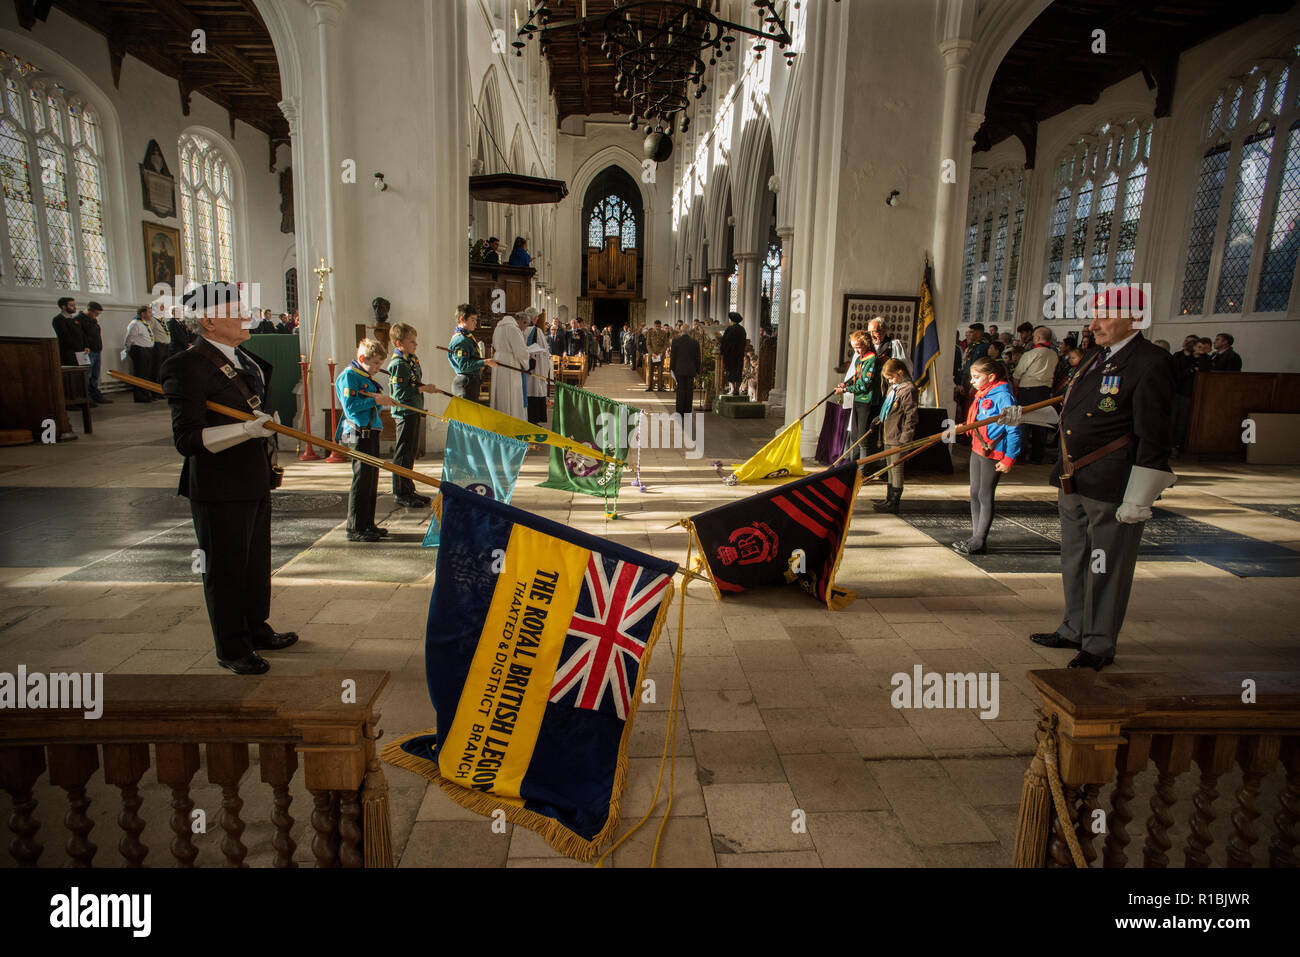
(899,313)
(162,254)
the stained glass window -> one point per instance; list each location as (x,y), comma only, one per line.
(991,259)
(207,210)
(771,281)
(291,289)
(52,174)
(1099,188)
(612,216)
(1284,236)
(1245,213)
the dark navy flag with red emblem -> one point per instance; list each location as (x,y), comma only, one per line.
(792,533)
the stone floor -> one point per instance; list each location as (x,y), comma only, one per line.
(785,705)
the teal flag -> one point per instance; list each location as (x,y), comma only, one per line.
(478,461)
(598,423)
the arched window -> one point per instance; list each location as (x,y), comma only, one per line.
(291,289)
(611,216)
(1244,226)
(1096,206)
(771,283)
(995,220)
(51,175)
(207,210)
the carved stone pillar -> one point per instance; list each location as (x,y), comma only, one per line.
(750,292)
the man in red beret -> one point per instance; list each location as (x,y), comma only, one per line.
(1115,445)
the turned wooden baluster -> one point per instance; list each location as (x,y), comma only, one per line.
(1058,851)
(324,820)
(279,762)
(1281,852)
(124,765)
(227,762)
(177,765)
(1172,754)
(1256,757)
(1129,762)
(350,854)
(19,769)
(71,766)
(1088,803)
(1214,756)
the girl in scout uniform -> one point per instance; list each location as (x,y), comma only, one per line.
(898,418)
(993,447)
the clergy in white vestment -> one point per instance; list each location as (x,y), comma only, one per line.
(508,349)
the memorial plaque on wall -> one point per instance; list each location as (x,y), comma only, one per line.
(157,186)
(899,313)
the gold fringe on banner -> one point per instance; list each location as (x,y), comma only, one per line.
(556,834)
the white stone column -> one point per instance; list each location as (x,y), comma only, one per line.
(335,339)
(719,296)
(776,398)
(750,293)
(956,140)
(699,290)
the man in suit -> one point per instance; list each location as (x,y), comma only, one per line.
(227,476)
(1115,444)
(70,332)
(1224,358)
(685,366)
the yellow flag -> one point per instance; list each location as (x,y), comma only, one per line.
(480,416)
(779,459)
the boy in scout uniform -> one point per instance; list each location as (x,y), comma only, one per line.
(404,386)
(463,355)
(361,396)
(1115,445)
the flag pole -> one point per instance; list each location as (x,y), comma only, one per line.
(291,432)
(929,440)
(502,365)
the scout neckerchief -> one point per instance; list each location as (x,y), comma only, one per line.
(973,414)
(889,402)
(147,328)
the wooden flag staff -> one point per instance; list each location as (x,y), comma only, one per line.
(292,433)
(502,365)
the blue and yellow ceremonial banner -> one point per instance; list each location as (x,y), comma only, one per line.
(483,462)
(779,459)
(537,642)
(596,423)
(926,350)
(480,416)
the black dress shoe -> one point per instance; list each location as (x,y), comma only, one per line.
(1085,660)
(411,503)
(424,500)
(1054,640)
(251,664)
(366,536)
(376,530)
(277,641)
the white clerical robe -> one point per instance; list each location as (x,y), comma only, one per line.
(508,348)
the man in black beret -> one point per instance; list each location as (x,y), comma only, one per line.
(227,475)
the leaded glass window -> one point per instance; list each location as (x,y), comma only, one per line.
(1098,191)
(207,210)
(1245,211)
(53,218)
(991,257)
(771,281)
(291,289)
(612,216)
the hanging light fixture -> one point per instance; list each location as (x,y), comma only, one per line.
(659,48)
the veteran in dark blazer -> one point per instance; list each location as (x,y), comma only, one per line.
(227,476)
(684,364)
(1115,444)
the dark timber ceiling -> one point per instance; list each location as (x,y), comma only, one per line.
(239,70)
(582,79)
(1052,68)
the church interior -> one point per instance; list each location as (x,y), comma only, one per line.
(969,171)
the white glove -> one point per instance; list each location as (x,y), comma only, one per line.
(218,438)
(123,355)
(1010,416)
(256,428)
(1144,487)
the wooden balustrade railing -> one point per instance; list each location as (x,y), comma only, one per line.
(327,720)
(1110,728)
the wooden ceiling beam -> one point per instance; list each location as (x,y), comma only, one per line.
(180,15)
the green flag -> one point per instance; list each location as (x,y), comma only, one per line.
(598,423)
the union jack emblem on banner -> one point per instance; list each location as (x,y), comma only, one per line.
(612,622)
